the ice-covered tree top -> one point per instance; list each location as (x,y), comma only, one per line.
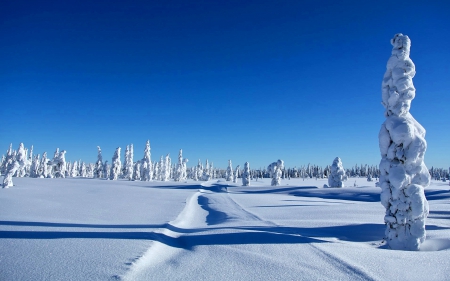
(397,87)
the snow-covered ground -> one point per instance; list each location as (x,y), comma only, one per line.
(91,229)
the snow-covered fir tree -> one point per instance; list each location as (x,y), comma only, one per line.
(337,174)
(106,170)
(199,170)
(246,175)
(236,174)
(21,160)
(137,171)
(179,169)
(98,168)
(74,171)
(275,172)
(165,168)
(147,167)
(116,165)
(11,168)
(34,168)
(59,165)
(160,167)
(403,174)
(83,171)
(206,176)
(8,159)
(43,166)
(229,173)
(90,170)
(130,166)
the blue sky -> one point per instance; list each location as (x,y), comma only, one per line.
(242,80)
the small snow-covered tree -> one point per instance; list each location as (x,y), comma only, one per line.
(229,173)
(83,170)
(246,175)
(74,171)
(116,165)
(165,171)
(337,174)
(236,173)
(147,169)
(137,171)
(98,169)
(59,165)
(403,174)
(275,172)
(7,160)
(179,170)
(106,170)
(34,168)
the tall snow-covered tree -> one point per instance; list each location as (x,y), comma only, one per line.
(98,169)
(337,174)
(229,173)
(116,165)
(147,167)
(246,175)
(403,174)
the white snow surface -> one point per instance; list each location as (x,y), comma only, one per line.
(94,229)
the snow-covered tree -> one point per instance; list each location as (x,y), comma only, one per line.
(206,176)
(275,172)
(59,164)
(116,165)
(83,170)
(199,170)
(180,174)
(147,167)
(7,160)
(236,173)
(402,145)
(337,174)
(246,175)
(74,171)
(21,160)
(106,170)
(11,168)
(166,166)
(229,173)
(98,168)
(34,168)
(137,171)
(128,165)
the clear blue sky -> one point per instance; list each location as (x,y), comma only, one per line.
(249,81)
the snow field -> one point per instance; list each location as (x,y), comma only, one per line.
(91,229)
